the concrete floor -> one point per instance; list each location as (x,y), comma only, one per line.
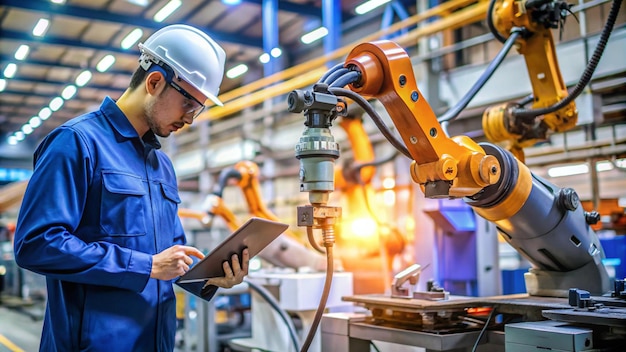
(20,327)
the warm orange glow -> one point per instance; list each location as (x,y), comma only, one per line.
(389,198)
(363,228)
(389,183)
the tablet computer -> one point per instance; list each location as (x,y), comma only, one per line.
(255,234)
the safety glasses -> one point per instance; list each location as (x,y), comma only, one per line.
(191,106)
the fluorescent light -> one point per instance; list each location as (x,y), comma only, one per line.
(34,122)
(131,38)
(167,10)
(568,170)
(41,27)
(369,6)
(56,103)
(58,1)
(314,35)
(83,78)
(22,52)
(3,84)
(68,92)
(10,70)
(264,58)
(231,2)
(237,71)
(142,3)
(12,140)
(105,63)
(604,166)
(276,52)
(27,129)
(45,113)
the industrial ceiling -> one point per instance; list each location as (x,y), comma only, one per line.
(80,33)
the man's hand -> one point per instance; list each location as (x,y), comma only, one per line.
(234,272)
(173,262)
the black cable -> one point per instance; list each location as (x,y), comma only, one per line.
(397,143)
(374,346)
(330,71)
(333,76)
(265,294)
(320,309)
(347,78)
(490,24)
(526,100)
(586,76)
(484,77)
(482,331)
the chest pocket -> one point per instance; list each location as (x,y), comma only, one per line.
(122,209)
(169,208)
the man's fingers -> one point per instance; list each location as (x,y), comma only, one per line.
(193,252)
(188,260)
(227,269)
(234,259)
(246,259)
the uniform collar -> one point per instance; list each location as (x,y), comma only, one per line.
(120,122)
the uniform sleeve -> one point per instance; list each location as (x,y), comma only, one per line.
(51,211)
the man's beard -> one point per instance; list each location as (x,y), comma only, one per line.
(149,113)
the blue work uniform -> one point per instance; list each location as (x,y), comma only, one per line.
(101,201)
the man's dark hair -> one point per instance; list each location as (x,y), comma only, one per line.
(138,76)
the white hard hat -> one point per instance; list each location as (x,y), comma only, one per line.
(191,53)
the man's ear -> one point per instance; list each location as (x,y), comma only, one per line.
(155,81)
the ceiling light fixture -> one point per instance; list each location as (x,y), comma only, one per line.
(68,92)
(56,103)
(231,2)
(264,58)
(22,52)
(34,122)
(237,71)
(142,3)
(45,113)
(314,35)
(83,78)
(369,6)
(568,170)
(27,129)
(131,38)
(167,10)
(41,27)
(105,63)
(10,70)
(12,140)
(19,135)
(3,84)
(60,2)
(276,52)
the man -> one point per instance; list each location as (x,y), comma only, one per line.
(99,216)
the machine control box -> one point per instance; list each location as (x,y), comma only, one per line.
(549,335)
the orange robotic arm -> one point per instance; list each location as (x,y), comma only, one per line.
(503,122)
(545,223)
(249,184)
(444,167)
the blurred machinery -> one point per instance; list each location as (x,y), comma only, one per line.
(287,251)
(545,223)
(366,244)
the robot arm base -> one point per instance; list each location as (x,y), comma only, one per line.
(547,283)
